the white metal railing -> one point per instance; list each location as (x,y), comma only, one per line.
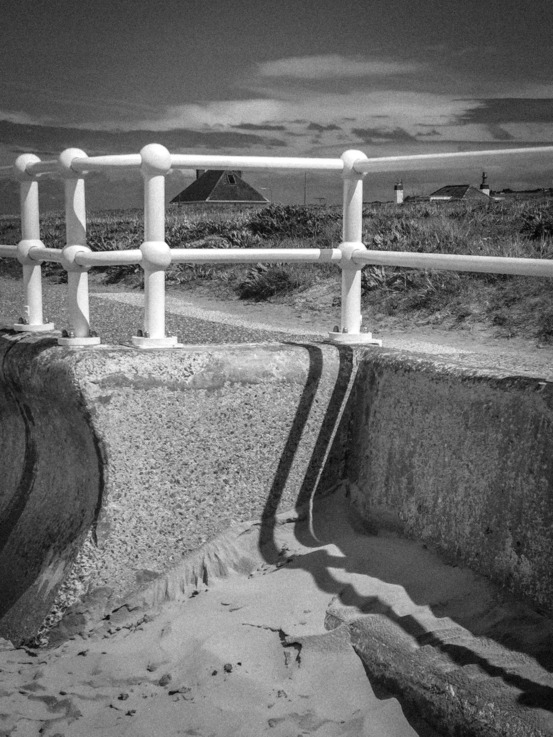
(154,255)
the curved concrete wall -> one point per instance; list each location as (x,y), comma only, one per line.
(50,481)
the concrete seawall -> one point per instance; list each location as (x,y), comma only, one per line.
(116,463)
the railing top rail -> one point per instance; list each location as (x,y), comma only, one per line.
(118,161)
(400,163)
(361,165)
(43,167)
(194,161)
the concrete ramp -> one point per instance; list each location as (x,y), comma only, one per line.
(117,463)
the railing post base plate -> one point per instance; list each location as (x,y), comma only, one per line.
(139,341)
(353,339)
(46,327)
(91,340)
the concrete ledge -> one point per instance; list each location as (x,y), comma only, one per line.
(461,460)
(454,699)
(120,462)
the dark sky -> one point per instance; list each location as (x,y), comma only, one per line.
(281,77)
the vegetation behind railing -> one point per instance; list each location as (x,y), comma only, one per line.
(513,305)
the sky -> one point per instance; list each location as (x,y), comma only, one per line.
(278,78)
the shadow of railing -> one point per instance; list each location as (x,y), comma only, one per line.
(319,472)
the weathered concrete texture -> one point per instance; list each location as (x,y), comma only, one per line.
(459,459)
(154,453)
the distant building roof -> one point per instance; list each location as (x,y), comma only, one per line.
(522,194)
(458,192)
(417,198)
(219,186)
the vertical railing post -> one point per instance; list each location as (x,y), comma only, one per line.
(32,321)
(78,333)
(156,254)
(352,234)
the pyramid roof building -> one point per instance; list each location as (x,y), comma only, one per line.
(217,186)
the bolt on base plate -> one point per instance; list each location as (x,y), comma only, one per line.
(45,327)
(140,341)
(353,338)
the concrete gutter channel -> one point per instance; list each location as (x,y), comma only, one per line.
(120,467)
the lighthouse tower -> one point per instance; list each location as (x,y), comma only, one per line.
(485,187)
(398,191)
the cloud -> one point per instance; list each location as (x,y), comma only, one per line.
(288,109)
(19,118)
(254,127)
(217,112)
(40,138)
(334,66)
(321,128)
(499,133)
(374,135)
(496,111)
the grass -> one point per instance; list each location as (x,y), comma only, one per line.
(511,305)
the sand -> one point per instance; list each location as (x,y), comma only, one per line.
(245,655)
(251,653)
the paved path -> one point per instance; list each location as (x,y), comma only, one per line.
(117,315)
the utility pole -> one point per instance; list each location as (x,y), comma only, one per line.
(305,189)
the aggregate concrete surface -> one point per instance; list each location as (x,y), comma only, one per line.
(272,650)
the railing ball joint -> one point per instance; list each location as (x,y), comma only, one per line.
(66,159)
(156,160)
(24,255)
(156,256)
(20,167)
(69,256)
(349,158)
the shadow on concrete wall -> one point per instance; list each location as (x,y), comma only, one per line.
(326,463)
